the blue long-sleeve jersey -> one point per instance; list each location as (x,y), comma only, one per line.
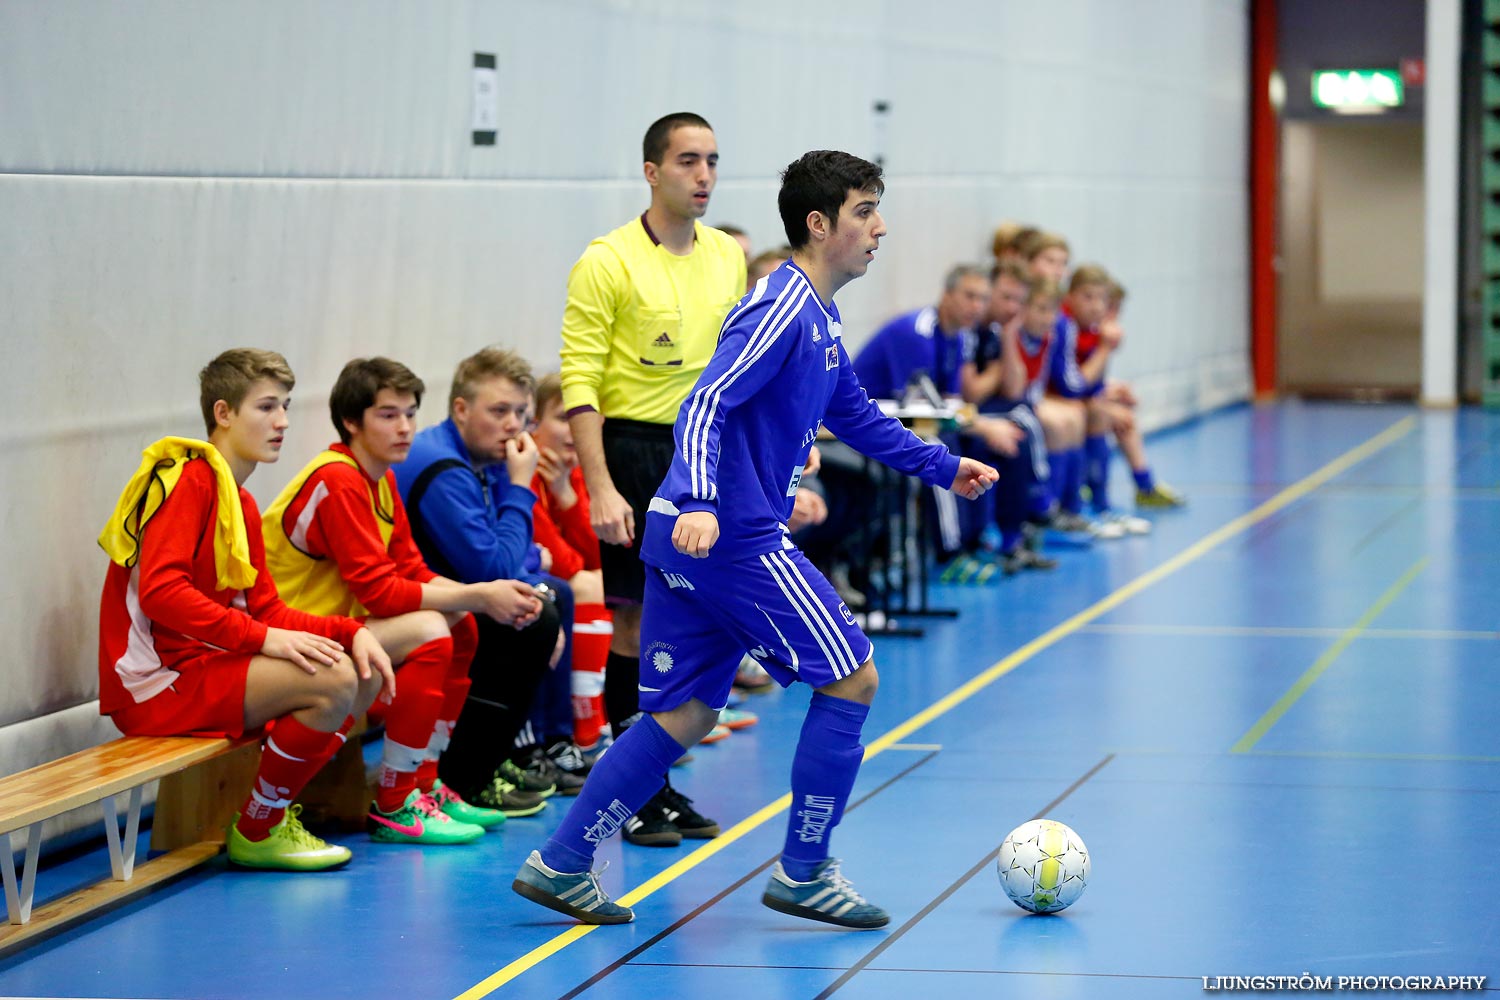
(779,373)
(472,525)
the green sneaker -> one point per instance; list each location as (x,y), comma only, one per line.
(508,799)
(452,804)
(534,781)
(420,820)
(288,848)
(1159,497)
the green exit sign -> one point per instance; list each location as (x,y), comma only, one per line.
(1358,89)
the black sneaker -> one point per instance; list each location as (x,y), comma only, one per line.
(679,809)
(650,827)
(566,757)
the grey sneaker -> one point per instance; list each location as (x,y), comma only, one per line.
(540,769)
(1021,558)
(579,896)
(828,897)
(1133,525)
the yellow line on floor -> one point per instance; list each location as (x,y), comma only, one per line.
(1322,663)
(1428,758)
(1291,632)
(1051,637)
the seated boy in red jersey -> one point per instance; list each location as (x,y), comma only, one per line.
(338,542)
(1082,349)
(560,525)
(193,639)
(1116,406)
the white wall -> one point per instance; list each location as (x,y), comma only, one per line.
(180,177)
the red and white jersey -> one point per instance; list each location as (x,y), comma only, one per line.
(160,616)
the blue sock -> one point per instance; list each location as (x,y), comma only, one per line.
(823,772)
(1009,539)
(1096,474)
(1068,496)
(621,782)
(1144,481)
(1057,471)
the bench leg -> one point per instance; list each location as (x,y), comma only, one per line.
(18,899)
(122,858)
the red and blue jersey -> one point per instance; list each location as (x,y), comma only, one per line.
(1074,346)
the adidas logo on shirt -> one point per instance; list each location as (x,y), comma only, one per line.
(663,340)
(816,335)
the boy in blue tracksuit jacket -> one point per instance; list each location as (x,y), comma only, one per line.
(724,575)
(475,524)
(471,519)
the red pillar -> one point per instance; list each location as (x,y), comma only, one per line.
(1264,167)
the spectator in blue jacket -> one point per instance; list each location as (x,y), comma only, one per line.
(466,485)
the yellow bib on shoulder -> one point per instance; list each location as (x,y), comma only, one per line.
(160,468)
(305,581)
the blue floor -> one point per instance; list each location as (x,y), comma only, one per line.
(1280,747)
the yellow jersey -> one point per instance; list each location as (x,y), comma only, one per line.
(642,322)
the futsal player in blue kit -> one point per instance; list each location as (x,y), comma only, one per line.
(724,575)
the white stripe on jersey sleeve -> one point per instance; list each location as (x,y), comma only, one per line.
(705,400)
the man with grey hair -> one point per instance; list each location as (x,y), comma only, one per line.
(930,341)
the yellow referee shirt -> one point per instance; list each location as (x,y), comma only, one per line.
(641,322)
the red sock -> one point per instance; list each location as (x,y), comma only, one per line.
(455,693)
(593,628)
(409,721)
(289,758)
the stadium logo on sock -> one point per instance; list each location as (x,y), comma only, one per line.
(610,821)
(816,813)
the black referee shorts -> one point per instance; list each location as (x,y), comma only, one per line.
(638,456)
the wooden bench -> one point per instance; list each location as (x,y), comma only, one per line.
(203,782)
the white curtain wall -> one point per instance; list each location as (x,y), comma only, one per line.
(177,178)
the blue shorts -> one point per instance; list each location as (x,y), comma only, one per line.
(697,624)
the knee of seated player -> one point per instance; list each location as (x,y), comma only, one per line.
(367,689)
(403,634)
(859,686)
(1096,416)
(333,692)
(1122,420)
(588,586)
(1074,425)
(1054,435)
